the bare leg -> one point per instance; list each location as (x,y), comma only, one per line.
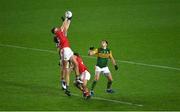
(66,71)
(85,86)
(67,76)
(62,76)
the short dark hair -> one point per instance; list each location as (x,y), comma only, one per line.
(105,41)
(76,54)
(55,40)
(52,30)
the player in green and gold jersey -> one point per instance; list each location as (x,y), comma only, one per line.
(103,54)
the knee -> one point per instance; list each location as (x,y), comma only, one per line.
(96,79)
(66,64)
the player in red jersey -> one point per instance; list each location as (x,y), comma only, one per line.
(62,75)
(65,51)
(84,76)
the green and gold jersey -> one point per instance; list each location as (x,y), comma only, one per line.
(103,55)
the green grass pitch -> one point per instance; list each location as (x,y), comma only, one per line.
(140,31)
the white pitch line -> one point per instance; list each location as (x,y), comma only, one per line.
(97,98)
(27,48)
(150,65)
(127,62)
(114,101)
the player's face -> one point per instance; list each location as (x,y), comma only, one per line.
(103,44)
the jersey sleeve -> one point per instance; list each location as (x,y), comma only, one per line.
(95,52)
(110,55)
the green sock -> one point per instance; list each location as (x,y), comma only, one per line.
(93,84)
(109,83)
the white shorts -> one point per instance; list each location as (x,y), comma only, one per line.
(66,53)
(85,75)
(104,70)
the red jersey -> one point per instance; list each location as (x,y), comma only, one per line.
(81,65)
(63,39)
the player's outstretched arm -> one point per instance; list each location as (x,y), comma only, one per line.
(113,61)
(65,25)
(66,21)
(92,51)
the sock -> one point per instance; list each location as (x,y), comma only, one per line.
(109,83)
(62,81)
(93,85)
(79,86)
(67,87)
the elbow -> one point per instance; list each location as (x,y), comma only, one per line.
(89,53)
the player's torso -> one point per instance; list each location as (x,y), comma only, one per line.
(103,57)
(81,65)
(62,39)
